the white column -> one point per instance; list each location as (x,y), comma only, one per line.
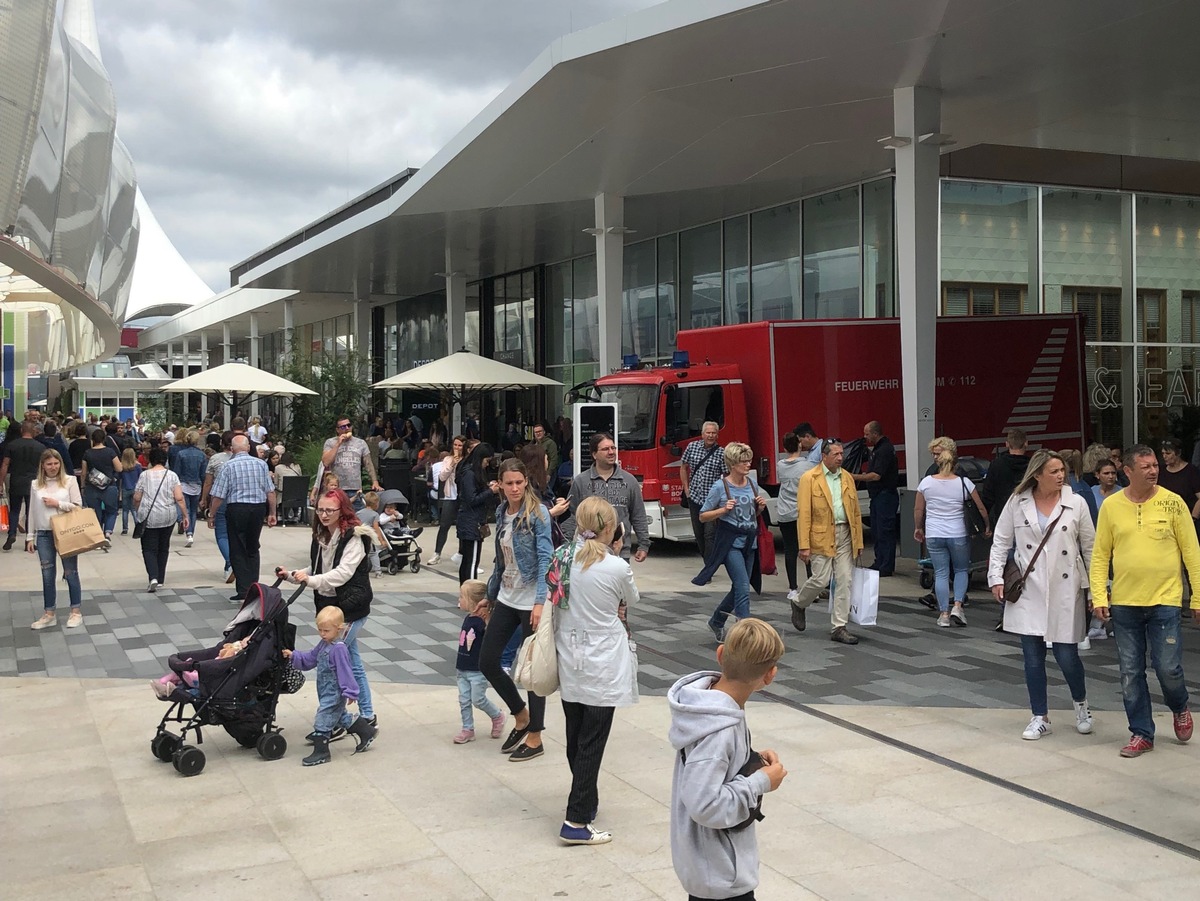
(456,326)
(610,252)
(226,347)
(204,368)
(255,344)
(917,113)
(186,347)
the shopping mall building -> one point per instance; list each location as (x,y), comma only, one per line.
(707,162)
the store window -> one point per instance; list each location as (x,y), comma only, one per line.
(981,300)
(668,253)
(990,238)
(700,276)
(879,249)
(736,246)
(832,259)
(776,269)
(639,301)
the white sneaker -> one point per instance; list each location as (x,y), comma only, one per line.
(1097,633)
(943,620)
(188,543)
(1086,644)
(434,560)
(457,558)
(153,586)
(793,594)
(1083,718)
(1038,726)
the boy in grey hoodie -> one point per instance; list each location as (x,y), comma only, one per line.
(715,856)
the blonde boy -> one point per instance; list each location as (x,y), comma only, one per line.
(715,853)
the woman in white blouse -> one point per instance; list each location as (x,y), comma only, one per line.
(51,493)
(597,670)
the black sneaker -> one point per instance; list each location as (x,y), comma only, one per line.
(524,752)
(515,737)
(337,733)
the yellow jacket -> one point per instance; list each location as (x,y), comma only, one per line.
(814,522)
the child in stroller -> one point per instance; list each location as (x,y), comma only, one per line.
(235,684)
(400,542)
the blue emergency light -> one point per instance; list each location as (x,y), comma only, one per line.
(630,361)
(680,360)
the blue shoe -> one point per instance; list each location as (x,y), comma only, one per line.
(582,835)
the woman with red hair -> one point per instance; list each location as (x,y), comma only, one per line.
(340,575)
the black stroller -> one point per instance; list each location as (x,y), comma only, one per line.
(400,542)
(238,693)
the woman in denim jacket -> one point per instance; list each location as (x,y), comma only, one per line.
(516,592)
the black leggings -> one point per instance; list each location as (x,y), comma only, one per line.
(501,626)
(468,566)
(447,513)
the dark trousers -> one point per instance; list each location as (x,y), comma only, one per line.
(885,529)
(15,503)
(791,551)
(748,896)
(156,548)
(447,513)
(468,566)
(505,620)
(244,522)
(705,532)
(587,734)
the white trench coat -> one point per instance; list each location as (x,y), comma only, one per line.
(1053,603)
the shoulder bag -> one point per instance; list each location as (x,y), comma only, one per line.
(97,479)
(139,525)
(536,666)
(683,498)
(1014,579)
(976,523)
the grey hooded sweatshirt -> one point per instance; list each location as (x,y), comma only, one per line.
(707,794)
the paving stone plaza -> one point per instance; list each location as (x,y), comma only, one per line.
(907,775)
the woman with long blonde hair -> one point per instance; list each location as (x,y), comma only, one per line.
(53,492)
(596,665)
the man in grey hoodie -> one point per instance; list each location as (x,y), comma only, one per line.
(713,805)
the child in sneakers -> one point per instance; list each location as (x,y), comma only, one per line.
(164,686)
(336,687)
(472,686)
(714,803)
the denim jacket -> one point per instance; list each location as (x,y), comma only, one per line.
(190,465)
(531,546)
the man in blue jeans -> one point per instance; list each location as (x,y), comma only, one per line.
(1145,531)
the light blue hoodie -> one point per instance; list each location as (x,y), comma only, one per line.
(707,794)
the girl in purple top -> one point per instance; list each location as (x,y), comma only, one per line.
(336,687)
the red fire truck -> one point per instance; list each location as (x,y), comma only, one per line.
(761,379)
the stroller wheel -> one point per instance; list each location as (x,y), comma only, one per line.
(189,761)
(926,579)
(272,746)
(163,746)
(393,568)
(415,565)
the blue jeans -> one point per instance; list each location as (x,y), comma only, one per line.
(104,502)
(510,650)
(472,692)
(126,508)
(1033,649)
(47,555)
(221,528)
(193,509)
(945,553)
(738,563)
(365,707)
(1135,628)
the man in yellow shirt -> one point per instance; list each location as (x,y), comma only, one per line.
(829,526)
(1143,531)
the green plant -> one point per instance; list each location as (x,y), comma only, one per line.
(153,410)
(308,457)
(341,386)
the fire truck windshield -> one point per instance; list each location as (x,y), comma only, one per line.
(637,410)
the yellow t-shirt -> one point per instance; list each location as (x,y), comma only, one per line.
(1144,542)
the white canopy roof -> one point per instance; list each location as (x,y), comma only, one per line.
(465,371)
(239,378)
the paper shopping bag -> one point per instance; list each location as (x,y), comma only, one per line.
(76,532)
(864,596)
(3,517)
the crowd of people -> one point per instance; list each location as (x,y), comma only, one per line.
(1084,544)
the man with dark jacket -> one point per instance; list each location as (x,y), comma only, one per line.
(21,457)
(1005,473)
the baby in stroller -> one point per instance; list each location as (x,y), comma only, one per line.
(191,678)
(400,541)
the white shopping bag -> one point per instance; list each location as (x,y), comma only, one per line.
(864,596)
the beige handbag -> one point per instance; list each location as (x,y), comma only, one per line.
(76,532)
(536,666)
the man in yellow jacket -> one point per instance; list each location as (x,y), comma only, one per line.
(1144,531)
(829,525)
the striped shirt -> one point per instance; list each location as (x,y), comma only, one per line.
(245,479)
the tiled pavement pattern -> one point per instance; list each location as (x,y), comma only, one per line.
(905,661)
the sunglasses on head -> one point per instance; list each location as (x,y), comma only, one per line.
(828,443)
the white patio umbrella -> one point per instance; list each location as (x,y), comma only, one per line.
(464,373)
(235,382)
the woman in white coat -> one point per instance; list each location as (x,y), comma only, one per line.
(1052,607)
(596,666)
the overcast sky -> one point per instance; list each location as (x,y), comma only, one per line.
(247,120)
